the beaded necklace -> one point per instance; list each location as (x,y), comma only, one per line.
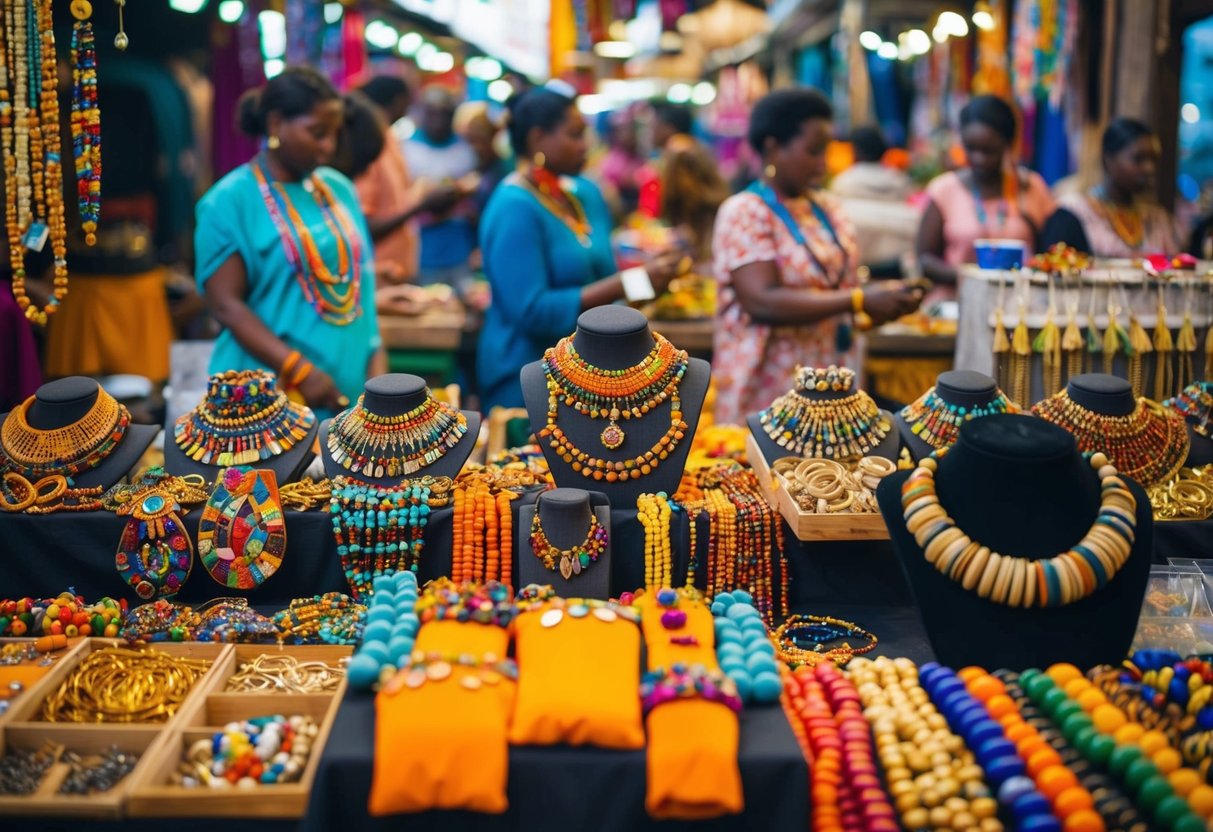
(1126,221)
(244,418)
(67,451)
(482,530)
(818,631)
(366,443)
(378,530)
(653,512)
(938,422)
(1195,403)
(331,618)
(573,560)
(1056,581)
(86,120)
(549,193)
(614,394)
(1150,444)
(333,296)
(841,428)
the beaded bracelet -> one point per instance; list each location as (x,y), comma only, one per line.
(661,685)
(487,603)
(822,629)
(744,649)
(331,618)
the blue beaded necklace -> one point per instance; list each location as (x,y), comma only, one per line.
(937,422)
(369,524)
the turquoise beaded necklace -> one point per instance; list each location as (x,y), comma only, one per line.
(938,422)
(378,530)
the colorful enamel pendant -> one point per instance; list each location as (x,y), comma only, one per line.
(612,436)
(155,554)
(242,533)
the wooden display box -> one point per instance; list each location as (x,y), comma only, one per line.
(39,689)
(25,729)
(806,525)
(153,796)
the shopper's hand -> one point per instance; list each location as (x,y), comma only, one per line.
(666,266)
(389,273)
(440,198)
(888,300)
(320,391)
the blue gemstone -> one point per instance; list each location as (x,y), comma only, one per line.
(153,503)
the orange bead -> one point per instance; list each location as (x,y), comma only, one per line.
(968,674)
(1031,745)
(985,687)
(1084,820)
(1043,760)
(1152,741)
(1167,760)
(1073,799)
(999,705)
(1091,697)
(1183,781)
(1019,732)
(1200,799)
(1054,779)
(1107,718)
(1129,733)
(1063,673)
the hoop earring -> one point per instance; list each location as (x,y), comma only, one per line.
(540,160)
(273,143)
(769,171)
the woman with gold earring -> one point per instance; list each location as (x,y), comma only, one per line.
(786,265)
(545,237)
(283,251)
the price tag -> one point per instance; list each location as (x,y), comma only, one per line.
(35,238)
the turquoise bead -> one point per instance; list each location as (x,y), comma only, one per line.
(362,671)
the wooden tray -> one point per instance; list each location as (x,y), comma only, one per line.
(39,689)
(152,795)
(805,525)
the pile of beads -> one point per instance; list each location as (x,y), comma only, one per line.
(681,681)
(487,603)
(68,615)
(391,630)
(1195,403)
(161,620)
(744,649)
(96,773)
(331,618)
(264,750)
(1141,760)
(998,756)
(21,771)
(824,711)
(1169,682)
(933,778)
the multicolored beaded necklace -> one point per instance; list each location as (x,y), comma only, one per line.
(67,451)
(378,530)
(1062,579)
(937,422)
(843,428)
(86,120)
(366,443)
(1195,403)
(333,296)
(614,394)
(244,418)
(576,558)
(1150,444)
(549,193)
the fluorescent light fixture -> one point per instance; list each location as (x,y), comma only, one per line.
(333,12)
(231,10)
(442,62)
(940,34)
(983,20)
(619,49)
(409,43)
(501,90)
(1190,113)
(870,41)
(381,34)
(274,67)
(888,51)
(918,41)
(703,94)
(273,34)
(679,93)
(187,6)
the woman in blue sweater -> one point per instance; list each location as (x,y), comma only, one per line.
(545,237)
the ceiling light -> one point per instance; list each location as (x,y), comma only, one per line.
(333,12)
(409,43)
(918,41)
(619,49)
(888,51)
(231,10)
(953,23)
(870,41)
(679,93)
(273,33)
(982,17)
(703,94)
(501,90)
(1190,113)
(274,67)
(382,35)
(187,6)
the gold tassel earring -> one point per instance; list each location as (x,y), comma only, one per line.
(1139,346)
(1163,346)
(1071,339)
(1002,344)
(1185,345)
(1048,344)
(1021,355)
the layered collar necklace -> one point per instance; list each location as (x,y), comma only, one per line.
(68,450)
(1125,220)
(368,444)
(937,422)
(834,428)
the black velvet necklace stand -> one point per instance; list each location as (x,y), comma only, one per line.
(58,404)
(615,337)
(1019,486)
(888,447)
(287,467)
(394,394)
(960,388)
(565,514)
(1200,448)
(1102,393)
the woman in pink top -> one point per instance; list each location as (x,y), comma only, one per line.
(989,198)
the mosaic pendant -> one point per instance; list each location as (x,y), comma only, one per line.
(612,436)
(155,554)
(242,533)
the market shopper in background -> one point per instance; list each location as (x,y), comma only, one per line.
(692,191)
(546,244)
(785,262)
(670,120)
(476,126)
(874,196)
(622,168)
(283,254)
(436,156)
(989,198)
(1117,218)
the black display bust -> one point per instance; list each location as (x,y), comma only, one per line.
(1102,393)
(960,388)
(888,448)
(1019,486)
(615,337)
(565,514)
(394,394)
(60,403)
(1200,450)
(287,466)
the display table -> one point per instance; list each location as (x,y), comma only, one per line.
(693,334)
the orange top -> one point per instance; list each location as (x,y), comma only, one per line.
(385,190)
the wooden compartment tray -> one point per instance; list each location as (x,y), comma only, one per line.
(38,689)
(805,525)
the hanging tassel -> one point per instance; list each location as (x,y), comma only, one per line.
(1114,337)
(1021,362)
(1185,345)
(1094,342)
(1163,346)
(1002,346)
(1139,346)
(1072,344)
(1048,344)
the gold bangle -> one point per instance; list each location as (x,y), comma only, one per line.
(862,319)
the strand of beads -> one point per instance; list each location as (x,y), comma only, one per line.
(482,530)
(370,525)
(934,779)
(744,649)
(654,513)
(820,630)
(1110,746)
(938,422)
(391,631)
(331,618)
(86,119)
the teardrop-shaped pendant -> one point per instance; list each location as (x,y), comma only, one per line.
(566,567)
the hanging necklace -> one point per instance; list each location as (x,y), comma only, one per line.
(68,450)
(1003,210)
(1195,403)
(938,422)
(1015,581)
(377,446)
(333,296)
(548,191)
(1126,221)
(614,394)
(86,120)
(242,533)
(378,530)
(841,428)
(573,560)
(244,418)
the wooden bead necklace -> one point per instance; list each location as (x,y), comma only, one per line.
(482,531)
(365,443)
(938,422)
(68,450)
(1062,579)
(86,119)
(573,560)
(842,428)
(1150,444)
(244,418)
(335,297)
(378,530)
(653,511)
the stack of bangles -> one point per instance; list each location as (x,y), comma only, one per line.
(824,486)
(821,630)
(680,681)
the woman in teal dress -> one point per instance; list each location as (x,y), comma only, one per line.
(283,252)
(545,237)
